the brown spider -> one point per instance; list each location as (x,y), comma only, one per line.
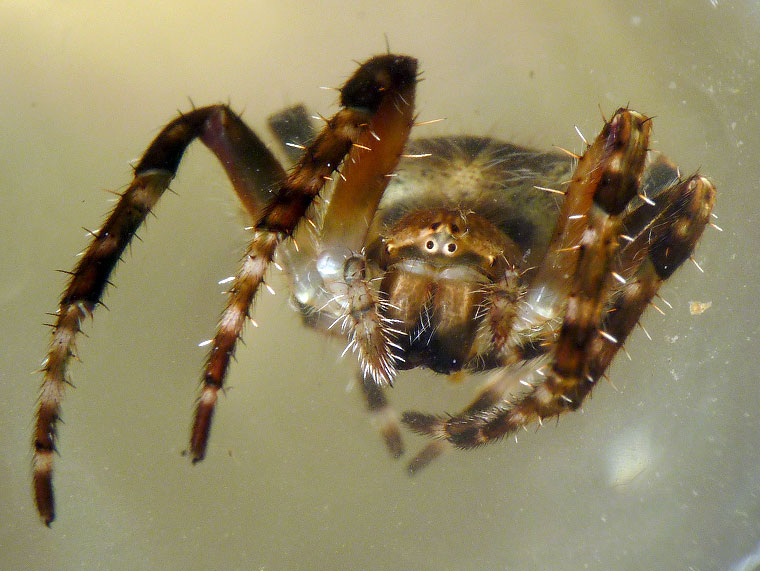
(454,259)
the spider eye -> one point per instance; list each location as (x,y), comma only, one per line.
(430,245)
(454,230)
(451,247)
(435,225)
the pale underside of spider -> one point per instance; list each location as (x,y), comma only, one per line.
(454,253)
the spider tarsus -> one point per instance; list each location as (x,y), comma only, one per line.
(393,441)
(202,424)
(428,424)
(425,457)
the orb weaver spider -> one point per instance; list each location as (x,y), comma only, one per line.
(469,254)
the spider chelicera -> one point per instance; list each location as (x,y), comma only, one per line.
(452,253)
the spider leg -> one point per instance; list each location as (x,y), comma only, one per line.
(427,455)
(506,336)
(330,276)
(681,211)
(491,394)
(253,171)
(293,130)
(383,414)
(369,99)
(327,273)
(593,329)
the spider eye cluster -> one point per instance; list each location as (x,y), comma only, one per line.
(445,238)
(441,239)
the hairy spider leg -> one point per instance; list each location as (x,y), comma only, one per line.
(591,331)
(226,135)
(383,414)
(329,272)
(341,257)
(680,214)
(491,394)
(366,98)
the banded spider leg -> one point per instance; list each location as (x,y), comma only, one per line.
(609,276)
(371,98)
(328,274)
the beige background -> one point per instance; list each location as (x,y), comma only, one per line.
(662,474)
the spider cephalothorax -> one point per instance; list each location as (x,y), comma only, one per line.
(453,253)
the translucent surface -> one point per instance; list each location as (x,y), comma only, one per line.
(662,473)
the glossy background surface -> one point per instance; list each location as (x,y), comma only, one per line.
(663,473)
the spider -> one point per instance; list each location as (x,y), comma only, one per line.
(453,253)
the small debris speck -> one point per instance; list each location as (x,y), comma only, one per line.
(699,307)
